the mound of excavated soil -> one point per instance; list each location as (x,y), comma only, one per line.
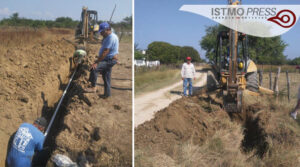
(95,130)
(185,119)
(31,75)
(195,131)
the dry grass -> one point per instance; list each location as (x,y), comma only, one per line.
(152,80)
(16,37)
(61,31)
(20,36)
(222,149)
(282,84)
(273,68)
(282,132)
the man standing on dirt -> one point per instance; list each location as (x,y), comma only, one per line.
(27,140)
(106,60)
(294,113)
(187,75)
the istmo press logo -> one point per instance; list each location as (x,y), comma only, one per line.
(256,20)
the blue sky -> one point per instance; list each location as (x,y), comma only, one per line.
(161,20)
(51,9)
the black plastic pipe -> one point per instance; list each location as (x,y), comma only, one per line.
(59,103)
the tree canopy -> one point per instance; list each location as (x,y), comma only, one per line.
(261,50)
(60,22)
(170,54)
(295,61)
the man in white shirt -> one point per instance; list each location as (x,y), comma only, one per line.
(294,113)
(187,75)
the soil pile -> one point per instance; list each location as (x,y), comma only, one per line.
(196,131)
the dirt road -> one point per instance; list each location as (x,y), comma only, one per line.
(147,104)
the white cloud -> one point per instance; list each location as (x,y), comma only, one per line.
(5,12)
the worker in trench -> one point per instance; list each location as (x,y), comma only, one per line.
(79,55)
(27,141)
(187,75)
(107,58)
(294,113)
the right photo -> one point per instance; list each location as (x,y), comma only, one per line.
(216,83)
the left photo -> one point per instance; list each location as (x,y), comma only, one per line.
(66,83)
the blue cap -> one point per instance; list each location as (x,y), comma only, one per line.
(103,26)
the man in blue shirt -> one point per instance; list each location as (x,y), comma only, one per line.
(27,140)
(106,60)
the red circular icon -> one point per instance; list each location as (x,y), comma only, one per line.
(283,17)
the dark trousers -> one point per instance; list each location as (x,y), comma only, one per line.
(104,67)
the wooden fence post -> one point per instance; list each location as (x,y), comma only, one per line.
(276,89)
(288,85)
(270,77)
(260,77)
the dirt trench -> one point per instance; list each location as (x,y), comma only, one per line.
(33,77)
(97,131)
(201,126)
(44,158)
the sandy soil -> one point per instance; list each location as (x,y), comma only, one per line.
(147,104)
(31,75)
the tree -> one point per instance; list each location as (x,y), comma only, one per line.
(170,54)
(138,55)
(127,20)
(209,41)
(14,19)
(261,50)
(63,22)
(137,52)
(14,16)
(295,61)
(188,51)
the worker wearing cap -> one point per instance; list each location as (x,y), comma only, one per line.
(106,60)
(187,75)
(294,113)
(79,55)
(28,139)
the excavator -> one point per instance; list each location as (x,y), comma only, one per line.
(235,72)
(88,26)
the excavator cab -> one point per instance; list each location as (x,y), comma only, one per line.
(93,20)
(222,57)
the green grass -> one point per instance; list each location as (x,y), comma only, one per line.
(146,81)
